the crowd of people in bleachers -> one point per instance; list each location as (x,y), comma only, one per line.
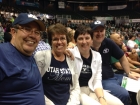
(103,54)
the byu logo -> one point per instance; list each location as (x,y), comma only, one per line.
(32,16)
(106,50)
(97,22)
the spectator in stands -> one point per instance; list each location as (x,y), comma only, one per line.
(12,19)
(3,19)
(7,33)
(115,62)
(59,73)
(108,48)
(89,63)
(137,40)
(132,44)
(132,57)
(20,80)
(71,44)
(1,33)
(42,45)
(1,28)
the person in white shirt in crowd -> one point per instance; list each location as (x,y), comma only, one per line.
(132,44)
(90,77)
(59,73)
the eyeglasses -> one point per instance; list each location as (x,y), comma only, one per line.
(62,39)
(28,30)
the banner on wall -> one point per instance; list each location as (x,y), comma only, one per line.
(88,8)
(61,5)
(23,3)
(118,7)
(104,18)
(135,20)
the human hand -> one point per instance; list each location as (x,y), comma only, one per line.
(138,71)
(133,51)
(134,75)
(103,102)
(69,54)
(135,46)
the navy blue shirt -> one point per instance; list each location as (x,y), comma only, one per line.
(86,71)
(107,49)
(56,82)
(20,80)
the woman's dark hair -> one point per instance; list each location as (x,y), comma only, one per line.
(82,29)
(131,35)
(58,29)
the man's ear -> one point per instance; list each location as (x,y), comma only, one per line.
(13,32)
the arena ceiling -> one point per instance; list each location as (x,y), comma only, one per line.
(95,1)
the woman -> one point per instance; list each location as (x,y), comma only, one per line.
(132,44)
(59,76)
(89,63)
(71,44)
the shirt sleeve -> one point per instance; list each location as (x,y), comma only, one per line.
(114,60)
(98,76)
(75,88)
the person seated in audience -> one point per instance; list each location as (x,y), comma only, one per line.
(107,48)
(20,80)
(130,52)
(137,40)
(115,62)
(132,57)
(118,69)
(132,44)
(42,45)
(71,44)
(59,73)
(89,70)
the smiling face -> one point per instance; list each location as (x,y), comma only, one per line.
(25,43)
(84,42)
(98,34)
(59,43)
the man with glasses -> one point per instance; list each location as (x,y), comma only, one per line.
(20,80)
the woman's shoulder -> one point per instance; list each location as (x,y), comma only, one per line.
(42,54)
(96,54)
